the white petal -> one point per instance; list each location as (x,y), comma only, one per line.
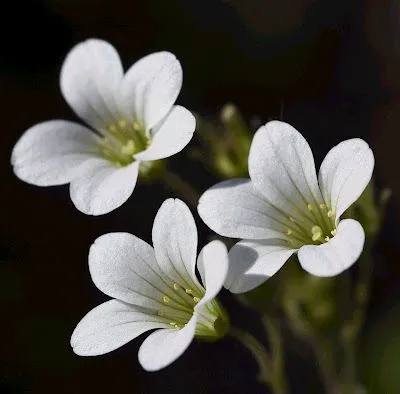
(163,347)
(90,81)
(212,264)
(234,209)
(175,242)
(50,153)
(281,167)
(124,267)
(101,187)
(345,173)
(251,263)
(150,88)
(171,135)
(335,256)
(110,326)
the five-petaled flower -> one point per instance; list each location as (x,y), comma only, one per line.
(155,289)
(133,122)
(285,208)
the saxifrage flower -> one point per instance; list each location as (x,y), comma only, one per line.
(285,208)
(155,289)
(133,122)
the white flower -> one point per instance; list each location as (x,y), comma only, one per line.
(134,119)
(285,208)
(155,288)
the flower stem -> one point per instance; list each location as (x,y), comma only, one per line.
(267,373)
(181,187)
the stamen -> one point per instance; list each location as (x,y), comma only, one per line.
(196,299)
(136,126)
(288,231)
(128,148)
(112,128)
(316,232)
(166,299)
(326,239)
(334,232)
(330,213)
(160,313)
(189,291)
(176,286)
(292,219)
(122,123)
(310,207)
(322,206)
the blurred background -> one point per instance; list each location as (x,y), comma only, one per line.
(333,66)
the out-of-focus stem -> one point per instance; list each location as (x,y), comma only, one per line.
(181,187)
(267,373)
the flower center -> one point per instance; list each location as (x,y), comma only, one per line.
(178,309)
(121,141)
(314,225)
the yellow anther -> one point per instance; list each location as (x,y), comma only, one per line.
(288,231)
(326,239)
(128,148)
(316,232)
(160,313)
(112,128)
(330,213)
(292,219)
(166,299)
(189,291)
(334,232)
(310,207)
(176,286)
(136,126)
(196,299)
(322,206)
(122,123)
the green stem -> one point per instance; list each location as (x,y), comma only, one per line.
(181,187)
(267,374)
(274,334)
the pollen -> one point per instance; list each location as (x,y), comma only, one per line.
(122,123)
(316,232)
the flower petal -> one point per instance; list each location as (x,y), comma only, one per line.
(101,187)
(110,326)
(90,80)
(251,263)
(171,135)
(345,173)
(124,267)
(335,256)
(234,209)
(50,153)
(163,347)
(281,167)
(212,264)
(175,242)
(150,88)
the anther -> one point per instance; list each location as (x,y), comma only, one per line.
(322,206)
(160,313)
(196,299)
(326,239)
(122,123)
(128,148)
(166,299)
(112,128)
(288,231)
(292,219)
(136,126)
(334,232)
(189,291)
(330,213)
(316,232)
(176,286)
(310,207)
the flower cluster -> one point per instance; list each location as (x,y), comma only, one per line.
(285,208)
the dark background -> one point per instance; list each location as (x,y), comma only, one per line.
(334,64)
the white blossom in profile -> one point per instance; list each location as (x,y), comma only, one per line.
(131,118)
(155,289)
(285,208)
